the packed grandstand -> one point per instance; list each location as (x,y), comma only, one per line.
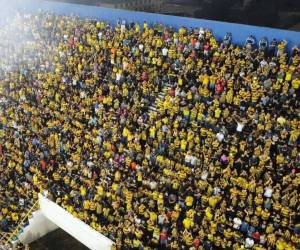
(157,138)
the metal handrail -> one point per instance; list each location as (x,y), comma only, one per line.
(4,236)
(17,229)
(3,244)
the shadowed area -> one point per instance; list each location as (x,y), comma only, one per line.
(55,240)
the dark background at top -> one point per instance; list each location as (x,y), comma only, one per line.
(283,14)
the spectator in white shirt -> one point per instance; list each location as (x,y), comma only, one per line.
(165,52)
(141,47)
(194,161)
(237,223)
(249,243)
(220,136)
(239,127)
(268,192)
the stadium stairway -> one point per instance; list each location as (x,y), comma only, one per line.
(160,98)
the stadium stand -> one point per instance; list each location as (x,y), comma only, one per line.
(158,138)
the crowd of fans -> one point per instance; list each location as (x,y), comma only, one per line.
(157,138)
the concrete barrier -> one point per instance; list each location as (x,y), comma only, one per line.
(73,226)
(50,216)
(38,226)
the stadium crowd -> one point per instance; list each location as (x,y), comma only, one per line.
(157,138)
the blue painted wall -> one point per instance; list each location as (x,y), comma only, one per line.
(239,32)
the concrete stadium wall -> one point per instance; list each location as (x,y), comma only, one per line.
(239,32)
(51,216)
(38,226)
(73,226)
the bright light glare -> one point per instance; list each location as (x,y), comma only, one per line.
(16,38)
